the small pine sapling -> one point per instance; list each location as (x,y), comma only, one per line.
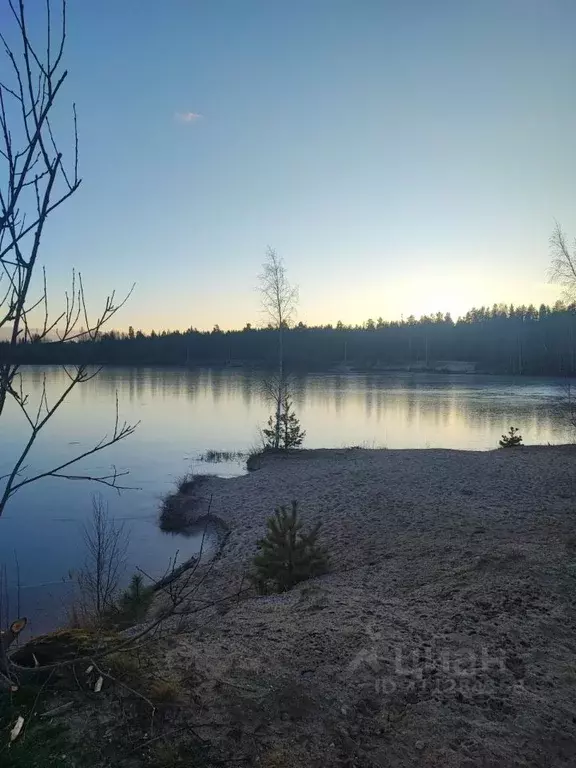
(132,605)
(288,555)
(284,431)
(512,439)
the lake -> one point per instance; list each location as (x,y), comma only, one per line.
(183,413)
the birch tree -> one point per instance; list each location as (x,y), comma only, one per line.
(279,299)
(279,302)
(563,266)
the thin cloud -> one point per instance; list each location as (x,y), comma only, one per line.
(187,117)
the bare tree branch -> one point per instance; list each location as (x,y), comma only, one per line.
(563,266)
(34,181)
(181,600)
(106,546)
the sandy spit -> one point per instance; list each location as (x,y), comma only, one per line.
(445,634)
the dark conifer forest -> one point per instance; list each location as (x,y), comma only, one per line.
(500,339)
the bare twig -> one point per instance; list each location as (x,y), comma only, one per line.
(133,691)
(563,265)
(106,546)
(57,710)
(34,182)
(181,595)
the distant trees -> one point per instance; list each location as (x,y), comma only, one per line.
(500,338)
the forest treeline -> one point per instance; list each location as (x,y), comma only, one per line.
(506,339)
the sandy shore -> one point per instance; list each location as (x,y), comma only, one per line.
(443,636)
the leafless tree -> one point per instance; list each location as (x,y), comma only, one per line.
(181,599)
(106,545)
(275,389)
(563,266)
(34,182)
(279,298)
(279,301)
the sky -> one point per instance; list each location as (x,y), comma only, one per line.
(402,157)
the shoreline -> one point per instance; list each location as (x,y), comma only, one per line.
(442,634)
(433,640)
(241,506)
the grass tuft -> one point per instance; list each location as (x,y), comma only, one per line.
(175,506)
(217,457)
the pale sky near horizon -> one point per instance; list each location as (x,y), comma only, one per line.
(402,157)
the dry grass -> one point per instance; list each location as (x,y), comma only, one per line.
(123,665)
(212,456)
(175,507)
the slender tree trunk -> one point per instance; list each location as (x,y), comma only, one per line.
(281,353)
(278,300)
(280,383)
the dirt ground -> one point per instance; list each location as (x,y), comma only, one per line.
(444,634)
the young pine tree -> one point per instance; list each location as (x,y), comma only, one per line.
(132,605)
(288,555)
(284,431)
(292,433)
(512,439)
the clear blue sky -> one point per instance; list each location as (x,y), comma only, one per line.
(403,157)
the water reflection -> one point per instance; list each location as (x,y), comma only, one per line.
(185,412)
(224,405)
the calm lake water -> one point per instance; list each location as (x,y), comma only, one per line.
(185,412)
